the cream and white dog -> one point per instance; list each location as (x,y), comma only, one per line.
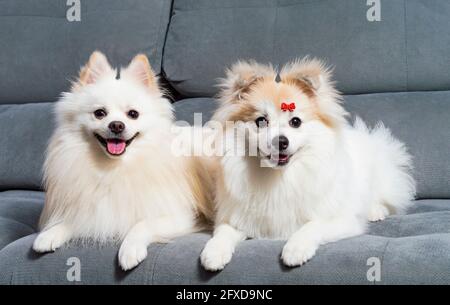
(315,178)
(110,173)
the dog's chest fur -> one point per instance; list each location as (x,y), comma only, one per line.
(104,201)
(262,202)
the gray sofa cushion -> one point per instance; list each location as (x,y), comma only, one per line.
(26,129)
(41,50)
(420,119)
(413,249)
(19,213)
(185,109)
(396,54)
(427,40)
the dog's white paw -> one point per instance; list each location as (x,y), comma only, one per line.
(216,255)
(296,253)
(378,212)
(49,241)
(131,254)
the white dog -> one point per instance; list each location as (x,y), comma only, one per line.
(315,178)
(110,173)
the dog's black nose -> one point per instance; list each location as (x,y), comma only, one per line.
(116,126)
(281,142)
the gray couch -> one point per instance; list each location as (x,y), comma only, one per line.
(396,70)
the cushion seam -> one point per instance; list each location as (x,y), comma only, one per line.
(162,38)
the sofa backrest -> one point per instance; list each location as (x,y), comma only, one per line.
(41,50)
(407,50)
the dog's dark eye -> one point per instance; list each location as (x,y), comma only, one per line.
(261,122)
(295,122)
(133,114)
(100,113)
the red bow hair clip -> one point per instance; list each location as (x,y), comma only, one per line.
(288,107)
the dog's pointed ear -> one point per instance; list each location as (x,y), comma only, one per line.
(97,66)
(313,78)
(241,77)
(311,73)
(140,69)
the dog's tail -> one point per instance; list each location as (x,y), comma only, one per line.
(394,186)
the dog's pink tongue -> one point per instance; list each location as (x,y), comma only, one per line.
(115,147)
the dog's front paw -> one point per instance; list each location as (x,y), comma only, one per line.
(296,253)
(131,254)
(49,241)
(378,212)
(216,255)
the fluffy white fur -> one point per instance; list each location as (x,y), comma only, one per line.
(143,196)
(338,178)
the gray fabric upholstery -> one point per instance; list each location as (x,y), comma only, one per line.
(406,52)
(185,109)
(420,119)
(427,59)
(41,50)
(413,249)
(19,214)
(396,54)
(26,131)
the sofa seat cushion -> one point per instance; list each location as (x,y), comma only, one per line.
(412,248)
(19,214)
